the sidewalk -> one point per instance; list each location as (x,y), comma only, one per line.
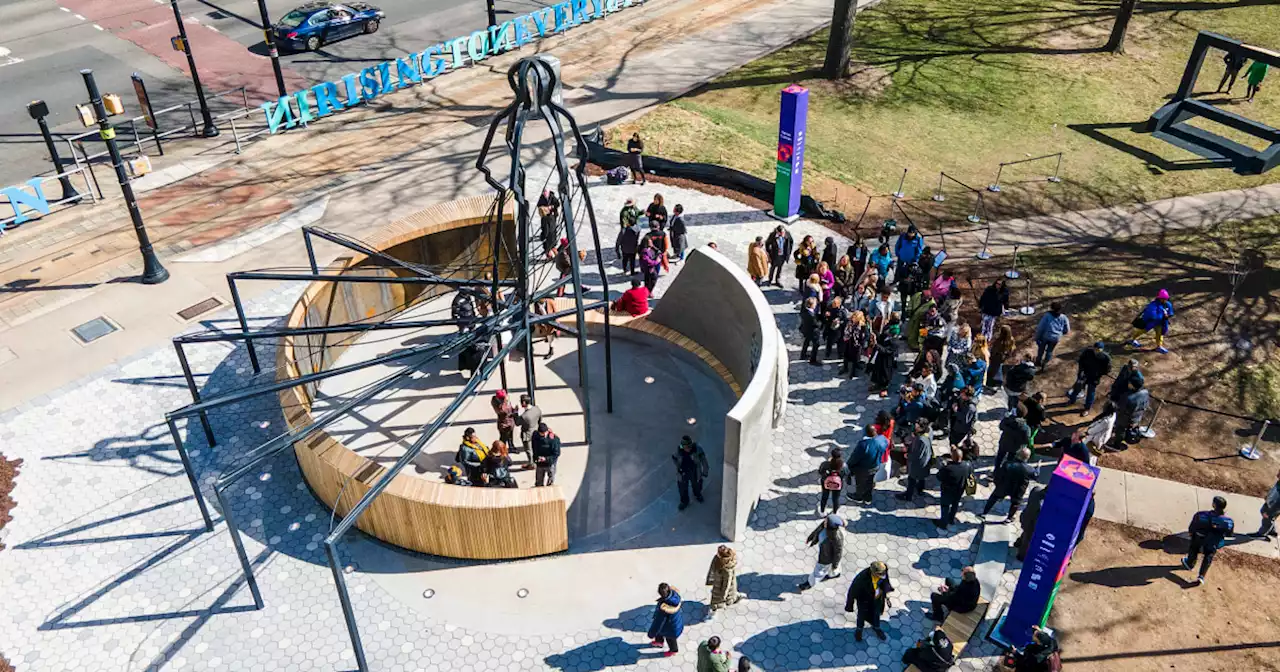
(1167,506)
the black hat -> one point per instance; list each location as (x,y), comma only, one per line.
(542,427)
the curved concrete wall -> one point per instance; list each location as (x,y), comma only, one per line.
(715,304)
(426,516)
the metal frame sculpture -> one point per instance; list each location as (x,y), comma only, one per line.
(533,81)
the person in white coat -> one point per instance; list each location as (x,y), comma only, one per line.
(1099,431)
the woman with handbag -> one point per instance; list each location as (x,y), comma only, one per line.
(668,623)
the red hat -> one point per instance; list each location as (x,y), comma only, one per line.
(501,394)
(564,241)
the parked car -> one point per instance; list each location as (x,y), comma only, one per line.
(316,24)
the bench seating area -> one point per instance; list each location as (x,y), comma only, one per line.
(960,628)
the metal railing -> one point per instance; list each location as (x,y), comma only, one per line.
(994,187)
(65,200)
(145,134)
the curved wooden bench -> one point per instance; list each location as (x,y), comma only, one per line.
(412,512)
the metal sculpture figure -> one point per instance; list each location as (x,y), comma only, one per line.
(513,306)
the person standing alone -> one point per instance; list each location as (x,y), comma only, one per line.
(691,468)
(868,595)
(635,149)
(1208,531)
(779,246)
(829,538)
(1053,326)
(546,452)
(679,233)
(1155,317)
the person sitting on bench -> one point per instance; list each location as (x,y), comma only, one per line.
(931,654)
(959,597)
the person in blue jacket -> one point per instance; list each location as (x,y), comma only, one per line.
(1155,317)
(864,461)
(882,259)
(1209,531)
(668,623)
(909,246)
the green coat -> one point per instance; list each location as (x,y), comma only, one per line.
(1256,73)
(709,661)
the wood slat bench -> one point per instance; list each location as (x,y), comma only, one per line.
(960,628)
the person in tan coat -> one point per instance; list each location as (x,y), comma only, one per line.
(722,576)
(757,260)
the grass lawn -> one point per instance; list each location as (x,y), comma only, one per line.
(962,85)
(1236,368)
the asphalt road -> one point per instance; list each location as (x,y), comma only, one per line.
(44,44)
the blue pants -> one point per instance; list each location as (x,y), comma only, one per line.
(1090,391)
(1044,351)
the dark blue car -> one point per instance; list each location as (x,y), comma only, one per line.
(316,24)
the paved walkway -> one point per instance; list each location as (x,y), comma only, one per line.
(108,567)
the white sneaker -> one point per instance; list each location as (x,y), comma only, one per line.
(820,511)
(1199,581)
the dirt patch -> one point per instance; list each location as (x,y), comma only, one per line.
(864,81)
(8,475)
(1126,606)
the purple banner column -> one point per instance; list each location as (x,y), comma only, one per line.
(791,132)
(1052,544)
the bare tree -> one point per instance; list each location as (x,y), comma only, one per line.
(1115,44)
(840,42)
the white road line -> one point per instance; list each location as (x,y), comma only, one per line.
(212,28)
(79,17)
(98,27)
(64,9)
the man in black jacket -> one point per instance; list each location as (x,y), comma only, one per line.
(993,302)
(1015,433)
(679,233)
(1093,364)
(961,597)
(867,595)
(934,653)
(628,244)
(1011,482)
(1209,531)
(1018,379)
(546,452)
(779,246)
(964,414)
(463,310)
(1122,385)
(953,477)
(691,469)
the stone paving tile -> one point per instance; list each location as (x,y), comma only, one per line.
(108,566)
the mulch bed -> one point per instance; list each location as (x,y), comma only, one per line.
(8,473)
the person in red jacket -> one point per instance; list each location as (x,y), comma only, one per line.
(634,301)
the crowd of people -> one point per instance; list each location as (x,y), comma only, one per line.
(490,466)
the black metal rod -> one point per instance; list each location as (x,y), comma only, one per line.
(210,129)
(238,543)
(153,272)
(244,323)
(269,38)
(348,613)
(220,337)
(493,291)
(311,251)
(552,317)
(64,181)
(383,279)
(195,392)
(187,467)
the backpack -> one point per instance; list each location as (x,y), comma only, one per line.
(832,481)
(617,175)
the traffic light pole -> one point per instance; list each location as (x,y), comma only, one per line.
(210,129)
(270,38)
(153,272)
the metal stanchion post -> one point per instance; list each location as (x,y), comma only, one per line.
(900,193)
(38,109)
(985,254)
(1054,178)
(994,187)
(153,272)
(976,217)
(1251,451)
(1029,308)
(1147,432)
(1013,273)
(937,195)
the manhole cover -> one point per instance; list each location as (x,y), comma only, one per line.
(199,309)
(93,330)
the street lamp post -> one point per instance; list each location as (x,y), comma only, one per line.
(152,271)
(210,129)
(270,38)
(493,12)
(38,109)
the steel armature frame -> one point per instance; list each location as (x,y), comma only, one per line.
(511,297)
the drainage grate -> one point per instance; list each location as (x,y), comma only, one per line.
(199,309)
(93,330)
